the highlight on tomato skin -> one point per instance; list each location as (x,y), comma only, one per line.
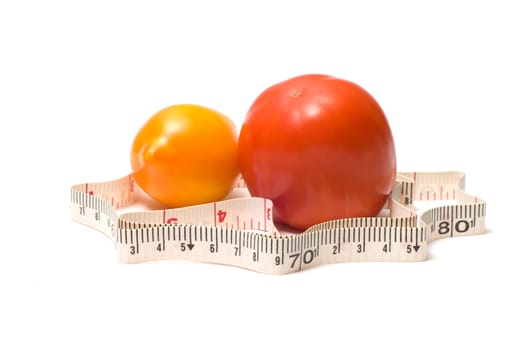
(185,155)
(320,148)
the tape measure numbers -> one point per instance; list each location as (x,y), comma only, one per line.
(240,232)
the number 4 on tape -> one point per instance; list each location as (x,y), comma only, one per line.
(240,232)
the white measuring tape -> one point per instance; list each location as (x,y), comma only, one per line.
(240,232)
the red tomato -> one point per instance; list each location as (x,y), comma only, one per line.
(320,148)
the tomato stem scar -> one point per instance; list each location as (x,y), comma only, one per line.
(297,93)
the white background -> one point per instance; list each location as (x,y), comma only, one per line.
(77,80)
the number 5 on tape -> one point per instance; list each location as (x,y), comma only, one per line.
(240,232)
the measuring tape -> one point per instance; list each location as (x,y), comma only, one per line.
(240,232)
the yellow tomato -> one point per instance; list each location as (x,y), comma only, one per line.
(186,155)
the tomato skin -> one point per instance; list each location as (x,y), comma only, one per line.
(320,148)
(186,155)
